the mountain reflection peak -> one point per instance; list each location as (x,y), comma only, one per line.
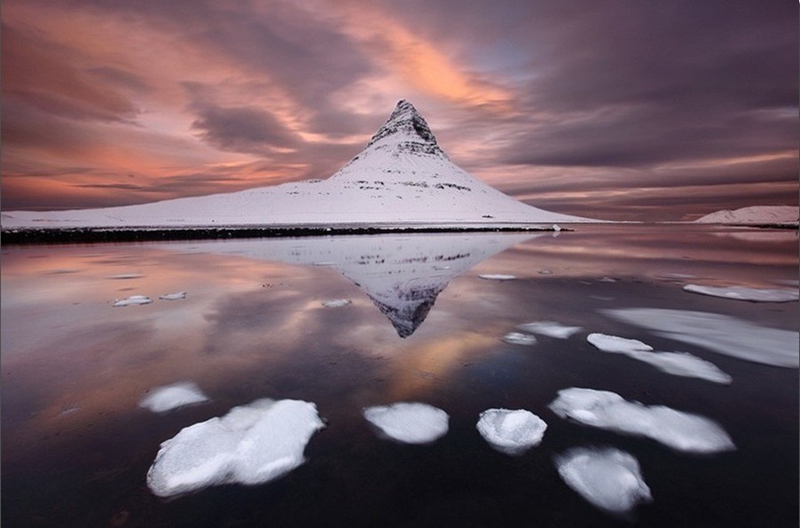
(402,274)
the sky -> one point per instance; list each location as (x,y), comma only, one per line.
(619,110)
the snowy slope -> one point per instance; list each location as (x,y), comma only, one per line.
(402,177)
(758,214)
(402,275)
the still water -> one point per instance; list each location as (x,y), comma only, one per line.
(353,322)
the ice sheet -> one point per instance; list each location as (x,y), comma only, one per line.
(681,431)
(511,431)
(608,478)
(409,422)
(721,333)
(252,444)
(169,397)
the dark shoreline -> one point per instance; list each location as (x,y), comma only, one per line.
(87,235)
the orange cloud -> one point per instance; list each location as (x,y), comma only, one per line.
(421,63)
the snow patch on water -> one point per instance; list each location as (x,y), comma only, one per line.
(497,277)
(741,293)
(608,478)
(681,431)
(511,432)
(252,444)
(170,397)
(409,422)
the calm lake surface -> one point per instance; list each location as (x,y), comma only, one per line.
(422,325)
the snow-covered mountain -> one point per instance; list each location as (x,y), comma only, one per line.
(755,215)
(401,178)
(402,275)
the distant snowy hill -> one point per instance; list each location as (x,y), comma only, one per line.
(401,178)
(755,215)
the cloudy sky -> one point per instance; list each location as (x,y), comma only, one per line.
(622,110)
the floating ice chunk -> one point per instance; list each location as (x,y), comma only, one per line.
(336,303)
(545,272)
(132,300)
(677,363)
(497,277)
(721,333)
(550,329)
(742,293)
(518,338)
(556,228)
(252,444)
(126,276)
(409,422)
(607,410)
(173,296)
(511,432)
(608,478)
(609,343)
(682,364)
(173,396)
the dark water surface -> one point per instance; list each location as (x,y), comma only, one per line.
(422,326)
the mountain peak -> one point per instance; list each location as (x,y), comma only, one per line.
(406,131)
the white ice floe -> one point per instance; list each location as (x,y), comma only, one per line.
(676,363)
(741,293)
(169,397)
(173,296)
(511,432)
(721,333)
(497,277)
(409,422)
(608,478)
(518,338)
(132,300)
(336,303)
(682,364)
(252,444)
(609,343)
(550,329)
(681,431)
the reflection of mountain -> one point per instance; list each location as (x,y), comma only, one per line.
(402,275)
